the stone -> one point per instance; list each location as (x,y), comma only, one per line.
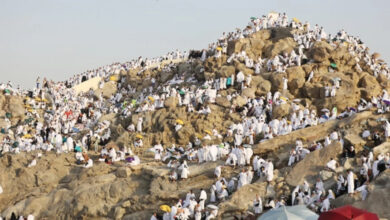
(279,47)
(325,174)
(119,212)
(249,93)
(126,204)
(320,51)
(226,71)
(222,101)
(123,172)
(280,111)
(239,101)
(308,168)
(171,102)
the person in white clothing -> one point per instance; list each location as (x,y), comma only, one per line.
(351,182)
(184,170)
(217,172)
(257,205)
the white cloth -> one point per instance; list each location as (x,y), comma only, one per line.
(351,183)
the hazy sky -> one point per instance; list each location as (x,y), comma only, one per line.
(58,39)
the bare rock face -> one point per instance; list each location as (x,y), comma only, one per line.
(249,93)
(241,67)
(370,86)
(281,111)
(226,71)
(281,46)
(242,199)
(123,172)
(222,101)
(296,78)
(277,81)
(308,168)
(69,191)
(320,51)
(239,101)
(108,89)
(171,102)
(355,140)
(15,106)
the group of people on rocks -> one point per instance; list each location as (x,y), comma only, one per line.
(57,116)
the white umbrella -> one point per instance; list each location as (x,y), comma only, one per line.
(298,212)
(325,110)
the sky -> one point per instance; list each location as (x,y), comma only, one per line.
(60,38)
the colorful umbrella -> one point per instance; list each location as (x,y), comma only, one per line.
(179,121)
(253,18)
(28,136)
(208,132)
(139,136)
(348,212)
(283,98)
(296,20)
(165,208)
(333,65)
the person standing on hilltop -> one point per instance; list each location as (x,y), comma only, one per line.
(38,80)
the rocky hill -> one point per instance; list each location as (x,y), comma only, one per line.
(57,188)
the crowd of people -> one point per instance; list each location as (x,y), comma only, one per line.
(57,118)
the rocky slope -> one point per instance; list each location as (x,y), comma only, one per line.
(57,188)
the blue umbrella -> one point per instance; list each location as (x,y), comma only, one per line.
(298,212)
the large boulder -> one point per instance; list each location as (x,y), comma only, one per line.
(237,46)
(242,199)
(263,85)
(296,78)
(171,102)
(320,51)
(309,168)
(263,88)
(277,82)
(16,106)
(226,71)
(240,101)
(284,45)
(280,111)
(241,67)
(123,172)
(249,93)
(355,140)
(222,101)
(184,135)
(109,89)
(370,86)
